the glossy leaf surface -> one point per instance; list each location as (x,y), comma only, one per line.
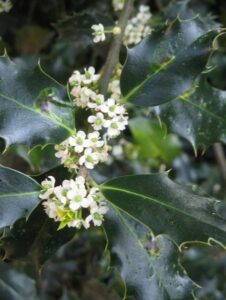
(167,207)
(31,108)
(15,285)
(149,265)
(200,117)
(165,64)
(18,196)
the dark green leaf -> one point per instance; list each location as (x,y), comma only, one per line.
(40,159)
(165,65)
(30,106)
(200,117)
(15,285)
(188,9)
(78,26)
(34,239)
(18,196)
(149,265)
(167,207)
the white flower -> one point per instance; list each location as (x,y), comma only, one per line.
(104,153)
(94,140)
(118,4)
(82,96)
(75,223)
(115,125)
(112,108)
(62,151)
(96,102)
(90,76)
(76,196)
(147,31)
(76,78)
(97,214)
(51,210)
(114,89)
(79,141)
(61,194)
(47,187)
(80,182)
(97,121)
(61,191)
(75,92)
(138,27)
(89,159)
(87,202)
(117,151)
(5,6)
(99,35)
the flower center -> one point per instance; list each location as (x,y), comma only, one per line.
(97,216)
(79,141)
(98,101)
(88,75)
(112,108)
(78,198)
(114,125)
(98,121)
(89,159)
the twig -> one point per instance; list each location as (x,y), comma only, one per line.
(221,159)
(113,54)
(159,5)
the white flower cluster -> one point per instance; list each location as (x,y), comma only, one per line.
(82,149)
(76,203)
(138,27)
(106,114)
(118,4)
(72,203)
(114,89)
(98,33)
(5,6)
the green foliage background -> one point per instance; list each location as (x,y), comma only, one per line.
(39,262)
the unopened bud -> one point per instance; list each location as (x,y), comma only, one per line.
(116,30)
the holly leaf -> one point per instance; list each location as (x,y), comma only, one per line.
(77,27)
(199,117)
(31,108)
(166,207)
(15,285)
(187,9)
(35,239)
(149,265)
(152,140)
(18,196)
(165,64)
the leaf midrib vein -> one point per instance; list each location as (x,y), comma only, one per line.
(14,195)
(205,111)
(54,120)
(134,235)
(154,200)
